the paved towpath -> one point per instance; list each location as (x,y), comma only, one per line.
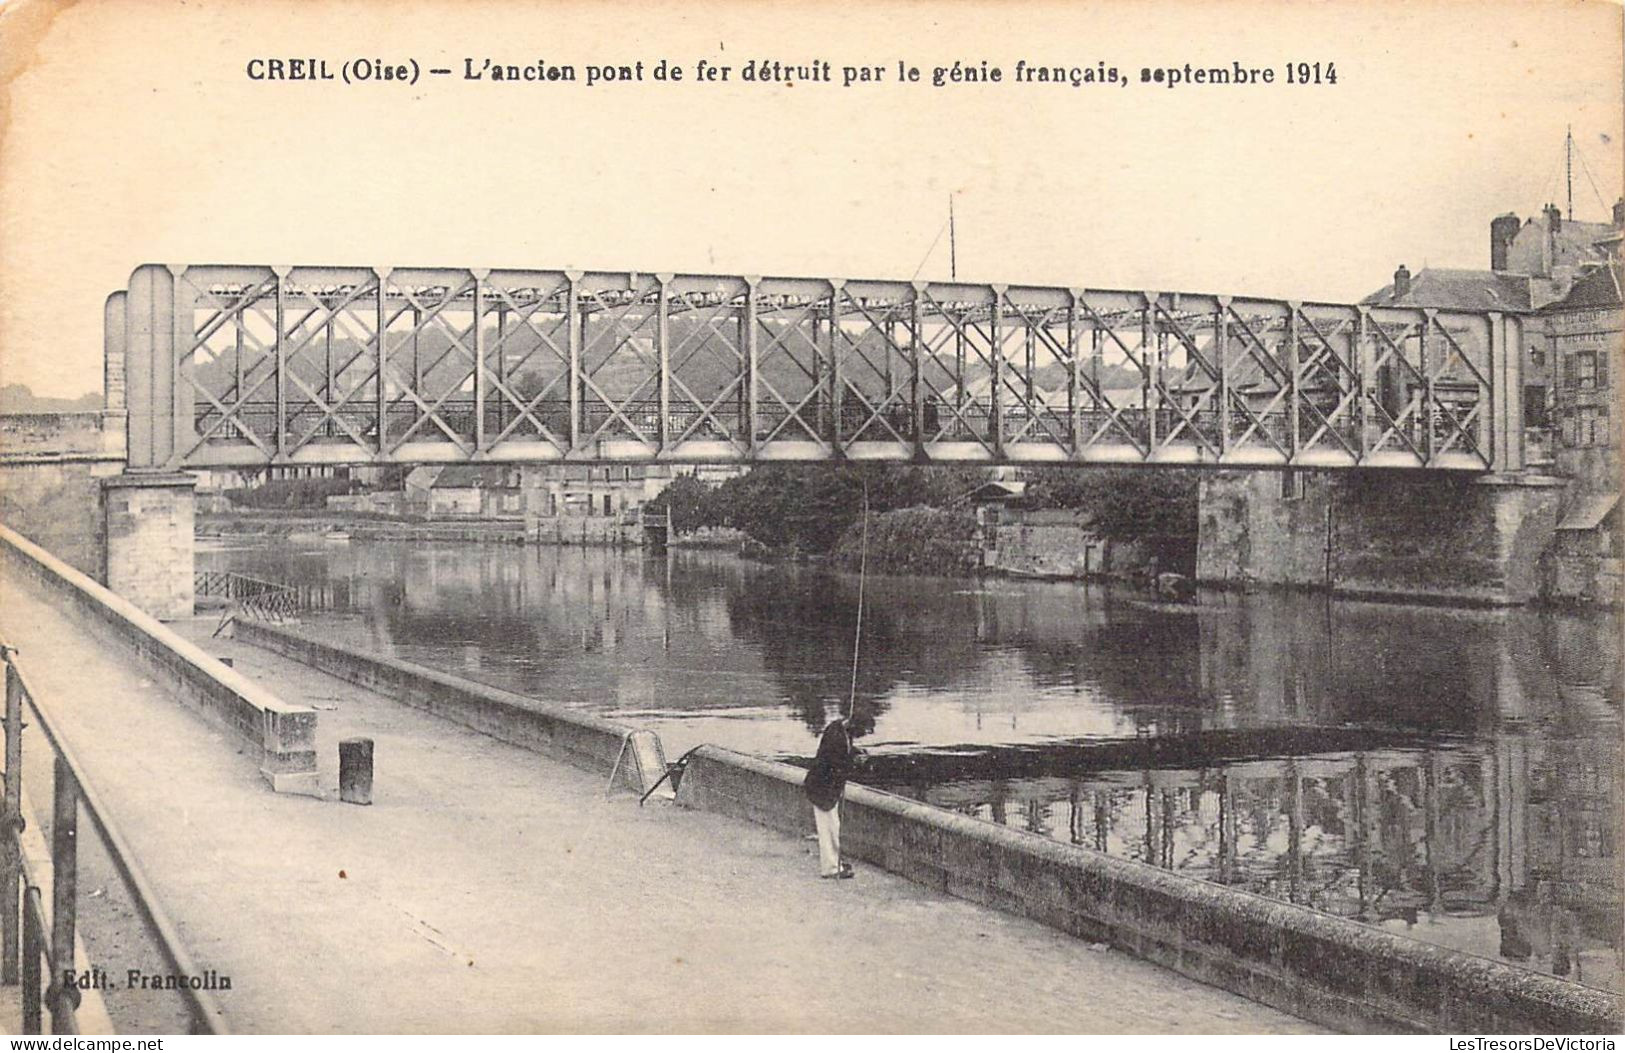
(490,889)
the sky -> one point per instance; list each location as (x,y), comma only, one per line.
(133,134)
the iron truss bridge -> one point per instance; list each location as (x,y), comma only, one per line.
(240,366)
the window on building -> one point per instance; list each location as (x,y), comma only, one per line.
(552,504)
(609,504)
(1293,484)
(1537,359)
(1583,369)
(1591,426)
(1534,405)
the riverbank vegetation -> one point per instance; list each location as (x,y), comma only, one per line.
(921,518)
(805,509)
(919,540)
(303,495)
(1124,504)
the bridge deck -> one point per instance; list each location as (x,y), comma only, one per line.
(488,889)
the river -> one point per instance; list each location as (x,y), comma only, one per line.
(1448,774)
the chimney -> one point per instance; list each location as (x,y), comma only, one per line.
(1402,282)
(1503,229)
(1619,212)
(1548,241)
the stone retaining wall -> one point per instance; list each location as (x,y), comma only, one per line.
(580,739)
(1432,536)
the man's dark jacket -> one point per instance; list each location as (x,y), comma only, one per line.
(836,760)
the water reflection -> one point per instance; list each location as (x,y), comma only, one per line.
(1506,848)
(1450,773)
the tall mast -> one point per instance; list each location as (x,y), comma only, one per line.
(953,249)
(1568,168)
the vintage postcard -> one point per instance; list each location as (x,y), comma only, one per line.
(897,517)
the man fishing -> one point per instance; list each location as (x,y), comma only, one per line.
(837,759)
(837,756)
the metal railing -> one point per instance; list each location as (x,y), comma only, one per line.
(51,941)
(254,597)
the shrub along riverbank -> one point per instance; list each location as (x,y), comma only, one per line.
(919,540)
(920,519)
(804,510)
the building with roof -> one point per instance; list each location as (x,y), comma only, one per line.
(1549,247)
(1564,277)
(600,504)
(484,491)
(1457,289)
(1587,339)
(554,491)
(1584,333)
(1535,264)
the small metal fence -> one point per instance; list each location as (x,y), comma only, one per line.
(265,600)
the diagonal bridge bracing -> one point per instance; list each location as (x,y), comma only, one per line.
(241,366)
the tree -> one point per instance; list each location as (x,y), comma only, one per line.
(690,502)
(1126,503)
(808,507)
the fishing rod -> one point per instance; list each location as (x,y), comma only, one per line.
(857,634)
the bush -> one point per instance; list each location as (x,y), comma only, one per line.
(1125,503)
(809,507)
(691,502)
(916,540)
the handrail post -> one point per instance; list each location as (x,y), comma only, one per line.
(11,826)
(64,893)
(32,937)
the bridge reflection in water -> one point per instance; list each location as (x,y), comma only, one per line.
(1506,848)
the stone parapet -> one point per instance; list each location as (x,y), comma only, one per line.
(633,755)
(284,735)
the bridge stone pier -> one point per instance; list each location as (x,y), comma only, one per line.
(148,555)
(130,531)
(1427,536)
(65,484)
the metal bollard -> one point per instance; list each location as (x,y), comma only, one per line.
(355,771)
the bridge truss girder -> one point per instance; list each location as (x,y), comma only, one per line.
(244,366)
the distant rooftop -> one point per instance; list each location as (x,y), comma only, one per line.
(1461,290)
(473,476)
(1597,287)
